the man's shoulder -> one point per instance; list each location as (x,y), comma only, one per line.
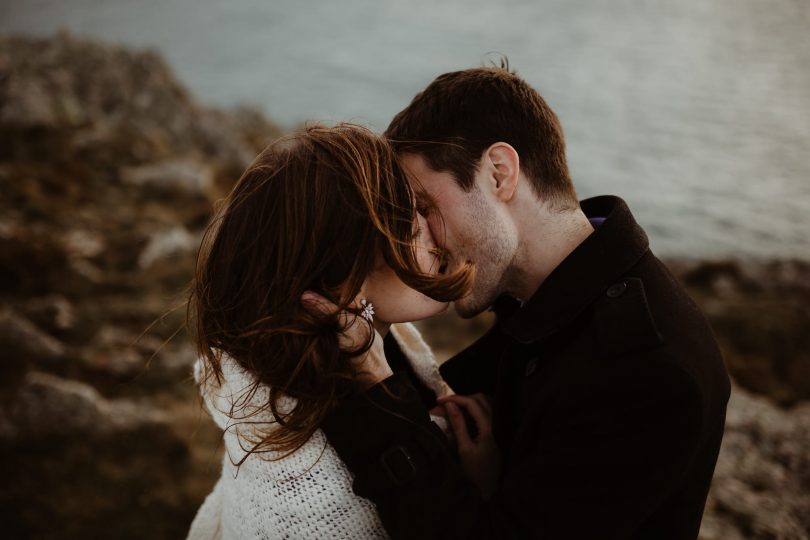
(648,307)
(623,320)
(648,316)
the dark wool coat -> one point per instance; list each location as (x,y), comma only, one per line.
(609,405)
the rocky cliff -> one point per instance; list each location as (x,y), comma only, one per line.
(108,172)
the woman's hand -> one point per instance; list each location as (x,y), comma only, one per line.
(477,450)
(371,367)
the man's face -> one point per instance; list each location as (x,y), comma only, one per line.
(469,227)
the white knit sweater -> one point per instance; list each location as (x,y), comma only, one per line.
(307,494)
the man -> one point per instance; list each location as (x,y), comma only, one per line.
(608,390)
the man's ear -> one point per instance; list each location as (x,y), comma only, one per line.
(504,164)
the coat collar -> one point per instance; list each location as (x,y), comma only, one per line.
(607,254)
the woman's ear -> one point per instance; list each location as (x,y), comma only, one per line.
(505,169)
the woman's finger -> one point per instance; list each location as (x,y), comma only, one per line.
(458,425)
(484,401)
(438,410)
(371,367)
(479,415)
(317,304)
(352,335)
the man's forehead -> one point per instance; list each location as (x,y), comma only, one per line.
(417,166)
(422,177)
(414,161)
(425,192)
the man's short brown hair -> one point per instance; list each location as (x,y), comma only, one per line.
(462,113)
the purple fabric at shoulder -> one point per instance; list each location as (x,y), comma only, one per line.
(596,221)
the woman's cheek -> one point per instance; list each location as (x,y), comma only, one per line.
(400,303)
(426,260)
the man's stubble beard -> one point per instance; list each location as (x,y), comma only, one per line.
(492,248)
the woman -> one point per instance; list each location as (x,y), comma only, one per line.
(327,210)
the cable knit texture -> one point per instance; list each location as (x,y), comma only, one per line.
(307,494)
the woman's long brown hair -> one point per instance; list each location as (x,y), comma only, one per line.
(312,212)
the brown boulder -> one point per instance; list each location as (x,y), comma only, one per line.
(23,344)
(760,313)
(761,487)
(76,465)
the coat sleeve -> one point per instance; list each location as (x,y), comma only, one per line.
(596,470)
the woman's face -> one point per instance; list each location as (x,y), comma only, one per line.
(393,300)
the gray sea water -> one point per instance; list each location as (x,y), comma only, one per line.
(697,112)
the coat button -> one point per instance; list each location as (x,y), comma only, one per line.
(616,290)
(531,365)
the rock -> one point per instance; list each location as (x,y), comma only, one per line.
(20,337)
(89,465)
(172,176)
(28,105)
(92,173)
(168,244)
(47,407)
(83,244)
(54,313)
(121,363)
(108,172)
(760,313)
(134,103)
(178,360)
(761,487)
(719,527)
(116,354)
(33,261)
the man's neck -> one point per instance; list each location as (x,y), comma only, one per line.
(547,239)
